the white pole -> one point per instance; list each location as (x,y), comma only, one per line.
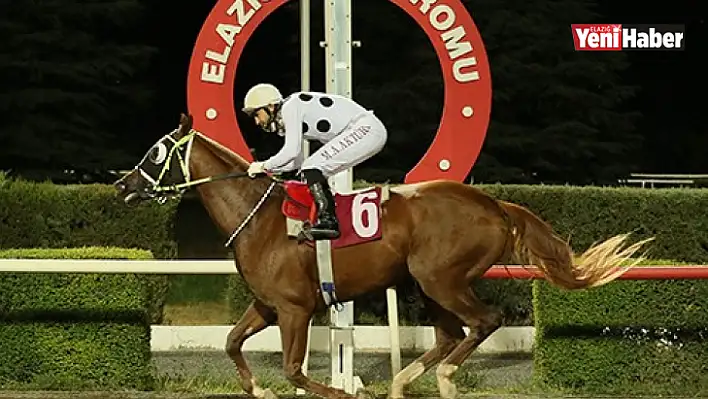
(339,80)
(305,86)
(338,54)
(393,333)
(305,56)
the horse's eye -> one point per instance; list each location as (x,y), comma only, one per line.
(158,154)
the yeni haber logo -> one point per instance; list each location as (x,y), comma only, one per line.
(618,37)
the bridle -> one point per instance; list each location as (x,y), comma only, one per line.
(182,148)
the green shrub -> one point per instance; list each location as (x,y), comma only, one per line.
(676,217)
(199,238)
(44,215)
(75,330)
(156,287)
(238,296)
(630,336)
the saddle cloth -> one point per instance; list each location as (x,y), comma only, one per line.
(359,212)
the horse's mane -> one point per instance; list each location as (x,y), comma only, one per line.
(230,157)
(223,152)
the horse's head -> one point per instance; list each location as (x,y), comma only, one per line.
(163,168)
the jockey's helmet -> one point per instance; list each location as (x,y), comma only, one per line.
(260,96)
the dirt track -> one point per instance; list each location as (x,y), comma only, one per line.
(483,373)
(184,367)
(131,395)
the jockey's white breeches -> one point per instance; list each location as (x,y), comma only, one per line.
(363,138)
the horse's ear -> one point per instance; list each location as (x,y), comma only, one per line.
(185,124)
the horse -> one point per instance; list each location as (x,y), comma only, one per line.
(443,234)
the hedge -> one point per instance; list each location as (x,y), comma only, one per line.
(52,216)
(627,337)
(674,216)
(75,331)
(44,215)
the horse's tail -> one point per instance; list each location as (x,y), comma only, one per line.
(537,244)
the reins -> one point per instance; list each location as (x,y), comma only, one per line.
(162,192)
(232,175)
(177,189)
(192,183)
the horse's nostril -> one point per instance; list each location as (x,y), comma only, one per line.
(120,186)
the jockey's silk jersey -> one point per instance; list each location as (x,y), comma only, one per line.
(312,116)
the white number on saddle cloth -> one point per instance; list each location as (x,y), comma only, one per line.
(365,214)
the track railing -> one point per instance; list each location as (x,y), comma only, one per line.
(226,267)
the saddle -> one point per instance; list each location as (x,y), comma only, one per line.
(359,213)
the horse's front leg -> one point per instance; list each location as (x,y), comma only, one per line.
(293,323)
(256,318)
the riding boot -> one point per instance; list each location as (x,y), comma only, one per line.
(326,226)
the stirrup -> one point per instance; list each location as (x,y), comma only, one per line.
(324,234)
(307,235)
(316,233)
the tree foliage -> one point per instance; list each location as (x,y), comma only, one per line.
(71,78)
(557,114)
(81,87)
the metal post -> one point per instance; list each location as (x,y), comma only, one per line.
(338,73)
(305,56)
(305,86)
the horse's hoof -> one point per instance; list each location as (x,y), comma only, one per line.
(268,394)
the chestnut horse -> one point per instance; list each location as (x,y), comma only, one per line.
(443,234)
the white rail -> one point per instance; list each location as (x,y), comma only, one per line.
(367,339)
(118,266)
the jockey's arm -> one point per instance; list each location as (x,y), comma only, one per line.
(287,158)
(295,163)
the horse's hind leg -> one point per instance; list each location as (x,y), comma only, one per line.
(256,317)
(450,288)
(448,334)
(482,322)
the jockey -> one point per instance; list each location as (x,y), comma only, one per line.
(350,134)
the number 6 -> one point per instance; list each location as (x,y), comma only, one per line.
(359,208)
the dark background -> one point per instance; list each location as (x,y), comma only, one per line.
(88,86)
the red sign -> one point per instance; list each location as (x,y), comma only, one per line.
(620,37)
(597,37)
(457,42)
